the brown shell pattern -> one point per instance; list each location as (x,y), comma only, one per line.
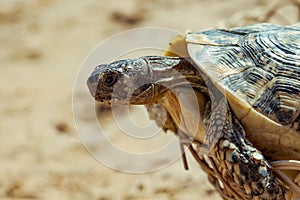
(258,64)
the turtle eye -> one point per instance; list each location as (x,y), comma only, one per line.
(110,80)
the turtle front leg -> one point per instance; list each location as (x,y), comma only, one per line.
(241,166)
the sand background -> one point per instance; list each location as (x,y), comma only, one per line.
(42,46)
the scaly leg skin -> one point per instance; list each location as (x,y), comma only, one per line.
(242,166)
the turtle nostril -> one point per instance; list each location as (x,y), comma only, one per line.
(93,79)
(92,82)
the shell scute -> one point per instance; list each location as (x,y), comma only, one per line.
(258,64)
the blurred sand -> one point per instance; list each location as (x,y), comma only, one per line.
(43,44)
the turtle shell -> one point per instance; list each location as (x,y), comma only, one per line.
(257,69)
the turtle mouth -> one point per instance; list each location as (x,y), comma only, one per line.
(141,90)
(142,95)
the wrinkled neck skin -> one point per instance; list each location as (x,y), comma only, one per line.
(169,72)
(180,89)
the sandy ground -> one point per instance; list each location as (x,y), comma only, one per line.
(43,44)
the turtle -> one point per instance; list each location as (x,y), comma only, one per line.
(246,81)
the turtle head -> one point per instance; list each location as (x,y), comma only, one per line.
(122,82)
(141,81)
